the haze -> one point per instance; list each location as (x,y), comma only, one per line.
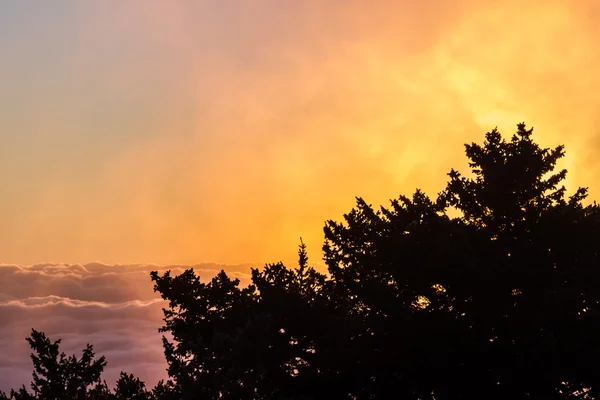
(183,132)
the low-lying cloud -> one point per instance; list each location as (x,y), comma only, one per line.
(112,307)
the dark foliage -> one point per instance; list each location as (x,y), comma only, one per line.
(488,291)
(57,376)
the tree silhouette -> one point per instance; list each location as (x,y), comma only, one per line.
(490,290)
(57,376)
(499,302)
(131,388)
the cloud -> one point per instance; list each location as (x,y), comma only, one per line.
(112,307)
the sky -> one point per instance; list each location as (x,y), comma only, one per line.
(223,131)
(191,132)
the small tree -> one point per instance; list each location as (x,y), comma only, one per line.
(57,376)
(131,388)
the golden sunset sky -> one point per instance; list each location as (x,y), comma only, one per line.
(166,131)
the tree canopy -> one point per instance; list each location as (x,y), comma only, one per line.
(489,290)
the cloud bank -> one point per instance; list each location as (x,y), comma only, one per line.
(112,307)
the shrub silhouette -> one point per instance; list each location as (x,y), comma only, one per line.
(499,302)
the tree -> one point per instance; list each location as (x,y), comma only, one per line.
(131,388)
(498,302)
(57,376)
(256,342)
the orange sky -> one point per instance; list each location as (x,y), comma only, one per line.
(185,132)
